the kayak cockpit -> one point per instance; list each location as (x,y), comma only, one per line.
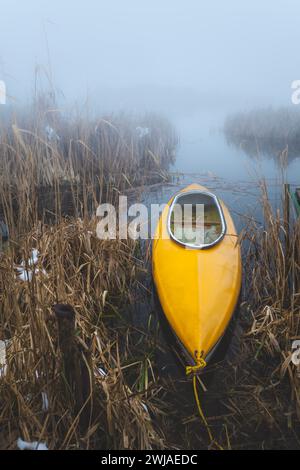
(196,219)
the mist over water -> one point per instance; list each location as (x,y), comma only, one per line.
(191,61)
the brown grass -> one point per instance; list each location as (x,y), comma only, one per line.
(45,177)
(260,386)
(77,269)
(48,194)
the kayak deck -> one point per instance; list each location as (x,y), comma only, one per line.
(198,288)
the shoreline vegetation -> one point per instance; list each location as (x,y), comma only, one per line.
(80,370)
(54,165)
(262,382)
(266,131)
(76,372)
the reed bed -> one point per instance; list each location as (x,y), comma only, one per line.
(260,383)
(118,395)
(81,371)
(74,366)
(55,165)
(76,372)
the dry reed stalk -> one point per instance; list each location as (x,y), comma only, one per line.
(95,277)
(80,163)
(260,389)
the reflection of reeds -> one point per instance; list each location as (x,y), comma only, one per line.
(265,131)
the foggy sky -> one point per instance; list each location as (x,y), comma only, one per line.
(136,53)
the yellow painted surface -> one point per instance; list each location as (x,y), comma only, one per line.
(198,289)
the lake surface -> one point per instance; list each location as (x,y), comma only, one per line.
(204,149)
(204,157)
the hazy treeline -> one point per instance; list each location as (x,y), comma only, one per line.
(265,131)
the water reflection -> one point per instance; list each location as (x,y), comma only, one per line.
(266,132)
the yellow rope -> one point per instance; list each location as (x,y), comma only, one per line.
(200,365)
(200,409)
(189,369)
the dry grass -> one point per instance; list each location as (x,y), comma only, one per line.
(70,336)
(53,165)
(67,324)
(260,386)
(86,409)
(252,400)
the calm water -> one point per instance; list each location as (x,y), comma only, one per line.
(204,149)
(205,157)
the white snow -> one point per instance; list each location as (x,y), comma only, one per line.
(23,445)
(27,274)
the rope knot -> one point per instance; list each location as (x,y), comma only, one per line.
(200,365)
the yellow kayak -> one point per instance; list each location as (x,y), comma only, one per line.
(198,280)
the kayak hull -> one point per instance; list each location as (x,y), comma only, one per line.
(198,288)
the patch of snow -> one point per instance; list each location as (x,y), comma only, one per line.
(33,260)
(27,274)
(24,275)
(23,445)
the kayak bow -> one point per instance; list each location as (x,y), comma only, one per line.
(198,284)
